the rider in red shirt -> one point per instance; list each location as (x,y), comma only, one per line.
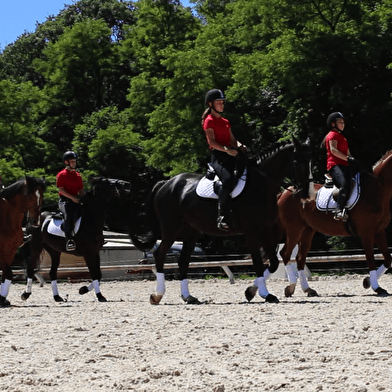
(70,185)
(224,147)
(338,160)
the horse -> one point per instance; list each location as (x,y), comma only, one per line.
(176,211)
(368,219)
(21,198)
(89,237)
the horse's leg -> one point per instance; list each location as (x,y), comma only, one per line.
(262,272)
(368,243)
(160,256)
(183,265)
(303,249)
(94,266)
(286,251)
(6,281)
(382,244)
(55,256)
(33,249)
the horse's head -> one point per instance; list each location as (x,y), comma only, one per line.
(301,167)
(106,188)
(34,194)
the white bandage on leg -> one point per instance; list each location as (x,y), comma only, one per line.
(303,280)
(55,289)
(29,285)
(90,286)
(292,273)
(160,283)
(266,274)
(381,270)
(373,280)
(5,288)
(260,283)
(96,286)
(184,288)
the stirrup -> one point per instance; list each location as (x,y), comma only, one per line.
(341,215)
(221,224)
(70,245)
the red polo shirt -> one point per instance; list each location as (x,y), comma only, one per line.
(342,146)
(221,127)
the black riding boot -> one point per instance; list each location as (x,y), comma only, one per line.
(341,212)
(223,209)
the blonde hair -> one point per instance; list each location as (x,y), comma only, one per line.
(204,115)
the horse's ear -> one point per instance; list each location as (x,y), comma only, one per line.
(296,143)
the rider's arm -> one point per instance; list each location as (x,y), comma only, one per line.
(333,146)
(67,194)
(236,144)
(217,146)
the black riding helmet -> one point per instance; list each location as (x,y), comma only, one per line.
(69,155)
(213,95)
(333,117)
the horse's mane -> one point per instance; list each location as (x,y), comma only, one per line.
(17,187)
(382,160)
(272,150)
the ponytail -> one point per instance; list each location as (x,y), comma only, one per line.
(204,115)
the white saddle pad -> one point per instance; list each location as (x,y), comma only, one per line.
(54,227)
(205,187)
(325,201)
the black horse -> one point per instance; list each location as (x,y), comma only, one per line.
(176,211)
(89,238)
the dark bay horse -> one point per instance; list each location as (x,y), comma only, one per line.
(24,197)
(177,212)
(368,220)
(89,238)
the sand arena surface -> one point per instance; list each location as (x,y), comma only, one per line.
(340,341)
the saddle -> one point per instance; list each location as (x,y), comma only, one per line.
(208,187)
(53,224)
(326,199)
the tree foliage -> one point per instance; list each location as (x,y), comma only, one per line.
(123,82)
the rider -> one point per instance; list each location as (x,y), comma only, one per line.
(70,185)
(224,148)
(338,160)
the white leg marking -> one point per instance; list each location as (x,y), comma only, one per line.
(96,286)
(373,280)
(29,285)
(260,283)
(160,283)
(55,289)
(303,280)
(184,288)
(292,272)
(90,287)
(5,288)
(381,270)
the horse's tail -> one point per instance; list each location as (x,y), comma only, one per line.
(146,241)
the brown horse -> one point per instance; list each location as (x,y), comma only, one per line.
(368,220)
(21,198)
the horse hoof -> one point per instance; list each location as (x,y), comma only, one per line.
(4,302)
(250,293)
(366,283)
(191,300)
(271,299)
(83,290)
(25,296)
(101,298)
(155,299)
(289,290)
(311,292)
(381,292)
(57,298)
